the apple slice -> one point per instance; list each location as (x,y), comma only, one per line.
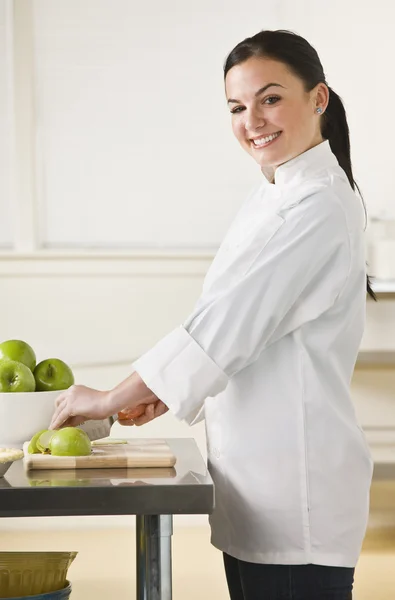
(32,448)
(44,440)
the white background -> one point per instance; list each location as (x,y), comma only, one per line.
(129,136)
(6,221)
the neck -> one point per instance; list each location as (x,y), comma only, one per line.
(268,172)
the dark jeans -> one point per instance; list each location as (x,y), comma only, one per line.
(249,581)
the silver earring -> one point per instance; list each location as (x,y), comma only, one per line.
(318,110)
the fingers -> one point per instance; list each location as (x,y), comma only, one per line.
(126,422)
(160,409)
(152,411)
(60,417)
(131,415)
(146,417)
(64,419)
(75,421)
(137,412)
(59,400)
(60,414)
(128,414)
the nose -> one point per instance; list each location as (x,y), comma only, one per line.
(255,120)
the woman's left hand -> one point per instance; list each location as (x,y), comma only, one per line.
(78,404)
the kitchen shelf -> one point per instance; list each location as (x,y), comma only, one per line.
(384,288)
(376,359)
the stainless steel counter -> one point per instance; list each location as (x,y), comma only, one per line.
(153,495)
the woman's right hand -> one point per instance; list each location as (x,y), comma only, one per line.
(142,414)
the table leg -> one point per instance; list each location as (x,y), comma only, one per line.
(153,557)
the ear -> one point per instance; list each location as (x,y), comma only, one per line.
(320,96)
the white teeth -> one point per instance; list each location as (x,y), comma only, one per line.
(265,140)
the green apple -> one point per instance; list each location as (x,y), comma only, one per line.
(70,441)
(33,449)
(16,377)
(19,351)
(43,441)
(53,374)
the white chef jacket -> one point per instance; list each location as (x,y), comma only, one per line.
(266,357)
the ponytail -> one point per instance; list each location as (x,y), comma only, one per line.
(335,130)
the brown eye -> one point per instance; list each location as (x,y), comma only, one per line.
(273,100)
(236,110)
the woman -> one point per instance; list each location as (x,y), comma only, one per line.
(268,353)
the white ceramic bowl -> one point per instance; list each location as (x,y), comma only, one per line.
(22,414)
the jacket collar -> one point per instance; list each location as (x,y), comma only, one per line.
(304,166)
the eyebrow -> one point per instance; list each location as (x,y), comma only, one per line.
(259,92)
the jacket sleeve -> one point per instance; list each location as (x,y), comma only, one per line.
(298,267)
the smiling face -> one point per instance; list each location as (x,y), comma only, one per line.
(273,117)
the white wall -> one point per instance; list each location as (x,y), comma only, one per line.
(130,116)
(6,109)
(133,120)
(133,123)
(354,39)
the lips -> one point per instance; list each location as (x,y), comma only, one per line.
(259,137)
(264,140)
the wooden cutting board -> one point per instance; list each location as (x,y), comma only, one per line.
(136,453)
